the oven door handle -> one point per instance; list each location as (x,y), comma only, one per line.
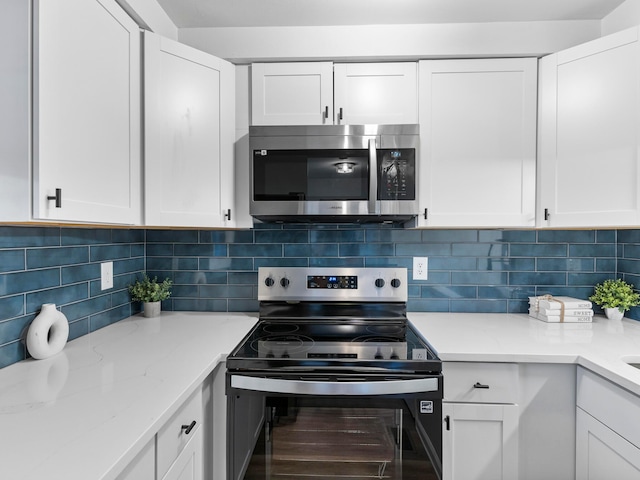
(303,387)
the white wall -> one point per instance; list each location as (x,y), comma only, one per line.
(406,42)
(625,16)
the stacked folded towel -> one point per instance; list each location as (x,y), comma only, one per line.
(560,309)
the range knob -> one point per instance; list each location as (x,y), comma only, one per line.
(284,282)
(379,282)
(269,281)
(395,283)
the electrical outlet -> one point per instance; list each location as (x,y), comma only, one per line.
(419,354)
(420,268)
(106,275)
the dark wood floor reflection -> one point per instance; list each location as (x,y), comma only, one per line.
(339,443)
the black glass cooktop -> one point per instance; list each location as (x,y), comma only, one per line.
(383,344)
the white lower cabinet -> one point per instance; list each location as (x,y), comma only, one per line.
(480,441)
(176,452)
(143,466)
(607,434)
(480,428)
(602,454)
(188,464)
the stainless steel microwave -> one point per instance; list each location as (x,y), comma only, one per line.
(334,173)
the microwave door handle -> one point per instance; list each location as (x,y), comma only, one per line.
(374,205)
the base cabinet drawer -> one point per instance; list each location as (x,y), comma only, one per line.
(480,382)
(174,436)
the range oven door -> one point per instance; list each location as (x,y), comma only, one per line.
(310,426)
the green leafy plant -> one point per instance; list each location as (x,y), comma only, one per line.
(150,290)
(615,294)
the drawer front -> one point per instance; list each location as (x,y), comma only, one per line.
(172,437)
(480,382)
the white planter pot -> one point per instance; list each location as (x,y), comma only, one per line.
(613,313)
(151,309)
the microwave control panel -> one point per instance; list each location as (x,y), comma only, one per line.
(397,174)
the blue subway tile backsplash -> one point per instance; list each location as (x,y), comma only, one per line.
(216,270)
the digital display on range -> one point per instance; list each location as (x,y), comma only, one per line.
(332,282)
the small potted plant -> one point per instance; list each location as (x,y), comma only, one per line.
(615,297)
(151,293)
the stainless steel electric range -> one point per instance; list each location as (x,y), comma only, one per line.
(334,381)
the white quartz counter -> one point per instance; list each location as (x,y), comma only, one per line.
(601,346)
(84,413)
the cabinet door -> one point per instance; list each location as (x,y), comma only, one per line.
(480,441)
(478,142)
(601,453)
(376,93)
(189,134)
(188,465)
(292,93)
(86,120)
(143,466)
(588,134)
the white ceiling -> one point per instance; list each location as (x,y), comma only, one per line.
(252,13)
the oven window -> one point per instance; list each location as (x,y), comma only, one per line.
(310,175)
(331,439)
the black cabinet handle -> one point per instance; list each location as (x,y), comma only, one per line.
(228,214)
(340,114)
(57,197)
(426,211)
(326,112)
(546,214)
(480,385)
(187,428)
(447,422)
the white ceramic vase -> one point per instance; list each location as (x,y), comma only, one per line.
(151,309)
(48,333)
(613,314)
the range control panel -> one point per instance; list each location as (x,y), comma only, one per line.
(387,284)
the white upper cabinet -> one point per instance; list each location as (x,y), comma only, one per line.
(375,93)
(86,112)
(478,142)
(324,93)
(292,93)
(589,134)
(189,135)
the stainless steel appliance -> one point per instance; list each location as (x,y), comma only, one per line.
(334,381)
(334,173)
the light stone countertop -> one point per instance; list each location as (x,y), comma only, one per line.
(85,413)
(601,346)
